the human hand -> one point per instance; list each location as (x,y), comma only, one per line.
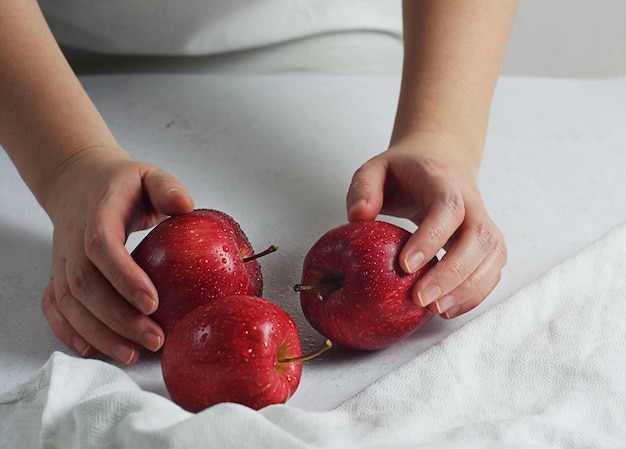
(421,181)
(97,297)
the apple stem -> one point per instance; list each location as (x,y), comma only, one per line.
(269,250)
(303,358)
(322,286)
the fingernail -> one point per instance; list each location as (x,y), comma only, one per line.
(145,303)
(414,261)
(444,304)
(451,313)
(175,191)
(181,192)
(80,346)
(355,206)
(123,353)
(428,294)
(151,341)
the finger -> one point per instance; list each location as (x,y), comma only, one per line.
(105,248)
(60,326)
(97,312)
(472,246)
(166,193)
(475,288)
(442,220)
(94,332)
(365,194)
(86,325)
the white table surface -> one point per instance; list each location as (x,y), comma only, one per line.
(277,153)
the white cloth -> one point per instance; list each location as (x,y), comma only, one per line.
(545,368)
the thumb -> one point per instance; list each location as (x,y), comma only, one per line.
(167,194)
(365,194)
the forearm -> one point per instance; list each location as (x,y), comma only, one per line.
(453,54)
(46,118)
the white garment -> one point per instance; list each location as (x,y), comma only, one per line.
(201,27)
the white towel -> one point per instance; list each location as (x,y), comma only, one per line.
(545,368)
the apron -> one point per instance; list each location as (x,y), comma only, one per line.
(209,27)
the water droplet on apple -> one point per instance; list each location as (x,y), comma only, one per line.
(225,248)
(224,260)
(246,352)
(204,337)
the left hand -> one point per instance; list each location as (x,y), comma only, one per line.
(417,182)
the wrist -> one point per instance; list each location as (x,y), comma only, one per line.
(436,144)
(59,178)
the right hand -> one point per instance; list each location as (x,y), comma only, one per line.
(98,298)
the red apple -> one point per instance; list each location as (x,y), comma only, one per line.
(241,349)
(353,290)
(194,258)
